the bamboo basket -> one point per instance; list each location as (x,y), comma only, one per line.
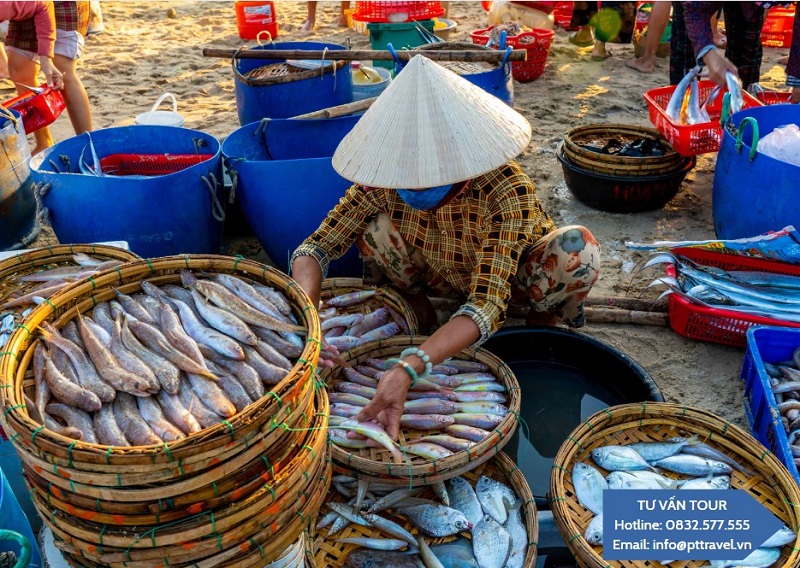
(332,554)
(610,164)
(375,464)
(772,485)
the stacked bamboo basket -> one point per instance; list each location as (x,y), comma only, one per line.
(235,494)
(771,485)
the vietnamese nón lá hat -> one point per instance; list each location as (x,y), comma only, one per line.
(429,128)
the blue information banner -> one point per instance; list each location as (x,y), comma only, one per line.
(702,524)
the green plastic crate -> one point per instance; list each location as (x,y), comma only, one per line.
(402,36)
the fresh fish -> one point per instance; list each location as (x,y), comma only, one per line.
(376,363)
(74,418)
(339,524)
(149,303)
(277,298)
(70,331)
(456,554)
(327,519)
(382,332)
(177,413)
(273,356)
(83,259)
(60,273)
(129,361)
(391,528)
(467,432)
(494,498)
(462,497)
(621,480)
(375,543)
(350,299)
(719,482)
(589,485)
(519,536)
(130,421)
(483,407)
(467,366)
(343,409)
(654,451)
(243,372)
(426,421)
(365,558)
(693,465)
(134,308)
(106,428)
(376,433)
(344,320)
(594,532)
(360,390)
(782,537)
(655,480)
(427,450)
(368,371)
(166,372)
(450,442)
(151,337)
(204,415)
(205,335)
(252,296)
(211,395)
(235,392)
(491,543)
(695,114)
(223,321)
(288,344)
(153,415)
(67,391)
(490,386)
(444,381)
(30,297)
(675,103)
(347,398)
(619,458)
(429,559)
(101,314)
(393,498)
(483,421)
(372,320)
(759,558)
(442,394)
(734,84)
(270,374)
(343,342)
(360,379)
(439,488)
(349,513)
(486,396)
(41,389)
(705,451)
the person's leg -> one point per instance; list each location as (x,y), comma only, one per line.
(75,97)
(311,19)
(681,54)
(657,23)
(555,276)
(582,12)
(599,52)
(24,71)
(744,41)
(342,16)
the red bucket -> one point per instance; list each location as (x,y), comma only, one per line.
(537,43)
(37,110)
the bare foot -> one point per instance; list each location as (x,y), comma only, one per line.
(342,21)
(307,26)
(642,64)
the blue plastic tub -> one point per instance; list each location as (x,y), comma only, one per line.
(754,193)
(497,81)
(175,213)
(12,518)
(285,183)
(265,98)
(18,223)
(772,345)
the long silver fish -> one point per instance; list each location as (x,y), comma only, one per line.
(653,451)
(693,465)
(695,114)
(675,103)
(223,321)
(735,89)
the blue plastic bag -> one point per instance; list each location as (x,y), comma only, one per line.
(13,518)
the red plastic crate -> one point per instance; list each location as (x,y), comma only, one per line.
(777,30)
(396,12)
(719,325)
(562,15)
(149,164)
(37,110)
(774,98)
(537,43)
(690,139)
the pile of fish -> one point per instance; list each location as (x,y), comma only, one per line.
(752,293)
(455,407)
(159,365)
(490,513)
(343,330)
(43,284)
(784,378)
(635,466)
(684,106)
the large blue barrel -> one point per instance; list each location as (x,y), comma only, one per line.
(754,193)
(286,184)
(289,95)
(18,224)
(173,213)
(493,78)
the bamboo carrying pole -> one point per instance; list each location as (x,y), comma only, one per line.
(340,110)
(492,56)
(612,315)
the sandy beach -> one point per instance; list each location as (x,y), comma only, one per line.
(143,53)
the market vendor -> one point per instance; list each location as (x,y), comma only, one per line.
(439,208)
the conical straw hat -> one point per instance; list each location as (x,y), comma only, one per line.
(430,127)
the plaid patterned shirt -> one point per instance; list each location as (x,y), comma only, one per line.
(475,242)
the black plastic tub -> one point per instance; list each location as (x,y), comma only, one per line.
(622,194)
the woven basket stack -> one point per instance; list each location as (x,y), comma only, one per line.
(235,494)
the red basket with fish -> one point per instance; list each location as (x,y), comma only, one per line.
(778,27)
(458,417)
(536,42)
(38,109)
(691,139)
(718,325)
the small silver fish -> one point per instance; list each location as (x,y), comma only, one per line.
(519,536)
(719,482)
(782,537)
(654,451)
(589,485)
(693,465)
(494,497)
(456,554)
(375,543)
(619,458)
(437,520)
(594,532)
(491,543)
(462,497)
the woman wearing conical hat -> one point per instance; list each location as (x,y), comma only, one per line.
(439,208)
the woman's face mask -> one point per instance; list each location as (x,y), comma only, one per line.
(424,199)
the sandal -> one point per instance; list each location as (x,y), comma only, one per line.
(602,57)
(573,39)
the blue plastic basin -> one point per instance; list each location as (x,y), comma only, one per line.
(18,224)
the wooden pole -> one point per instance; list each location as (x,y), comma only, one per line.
(340,110)
(612,315)
(627,304)
(490,55)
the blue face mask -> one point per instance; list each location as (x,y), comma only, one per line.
(424,199)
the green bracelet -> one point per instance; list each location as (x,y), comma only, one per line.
(407,367)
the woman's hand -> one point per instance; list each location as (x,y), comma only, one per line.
(51,73)
(387,405)
(717,66)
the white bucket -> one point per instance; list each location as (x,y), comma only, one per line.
(369,90)
(162,117)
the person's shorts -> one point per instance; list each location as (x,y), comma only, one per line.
(68,44)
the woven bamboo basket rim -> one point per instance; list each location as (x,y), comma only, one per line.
(573,149)
(16,419)
(461,67)
(376,463)
(623,170)
(282,72)
(209,532)
(772,485)
(331,554)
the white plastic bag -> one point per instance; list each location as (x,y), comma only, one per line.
(783,144)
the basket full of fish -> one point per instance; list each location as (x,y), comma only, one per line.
(166,412)
(459,416)
(353,313)
(28,278)
(717,297)
(690,113)
(484,518)
(666,446)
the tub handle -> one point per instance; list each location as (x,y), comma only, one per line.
(161,100)
(236,72)
(217,210)
(397,61)
(505,64)
(10,116)
(726,109)
(503,39)
(754,124)
(25,554)
(258,37)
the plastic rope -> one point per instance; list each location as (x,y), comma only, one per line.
(217,210)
